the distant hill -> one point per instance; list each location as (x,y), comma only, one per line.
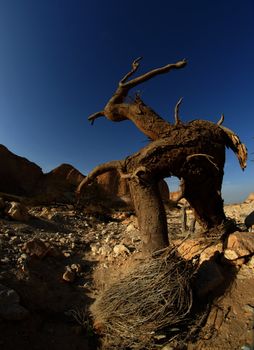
(20,177)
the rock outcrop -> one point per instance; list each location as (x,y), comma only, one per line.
(18,175)
(59,185)
(250,198)
(113,185)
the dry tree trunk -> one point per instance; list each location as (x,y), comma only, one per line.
(194,152)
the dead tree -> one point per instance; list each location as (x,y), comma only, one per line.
(193,151)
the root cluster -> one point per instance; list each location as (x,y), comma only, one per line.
(154,298)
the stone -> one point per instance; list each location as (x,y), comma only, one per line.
(242,243)
(250,263)
(104,250)
(69,275)
(36,247)
(230,254)
(209,277)
(249,221)
(120,249)
(76,267)
(18,212)
(192,247)
(10,309)
(130,228)
(2,203)
(18,176)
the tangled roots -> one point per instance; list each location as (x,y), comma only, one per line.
(155,296)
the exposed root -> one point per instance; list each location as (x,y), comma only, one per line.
(155,297)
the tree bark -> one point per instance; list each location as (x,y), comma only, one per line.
(193,152)
(151,215)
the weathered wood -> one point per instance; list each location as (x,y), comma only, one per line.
(193,152)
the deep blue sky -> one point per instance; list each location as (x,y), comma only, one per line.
(61,61)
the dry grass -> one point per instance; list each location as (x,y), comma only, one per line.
(154,297)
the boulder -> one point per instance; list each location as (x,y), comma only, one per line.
(18,212)
(10,309)
(190,248)
(238,245)
(249,221)
(209,278)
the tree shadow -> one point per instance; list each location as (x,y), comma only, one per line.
(58,311)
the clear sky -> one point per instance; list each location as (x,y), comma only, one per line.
(60,60)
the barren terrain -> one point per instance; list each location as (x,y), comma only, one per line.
(60,260)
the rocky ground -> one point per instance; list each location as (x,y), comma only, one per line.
(54,261)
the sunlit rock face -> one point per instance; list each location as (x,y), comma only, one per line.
(115,186)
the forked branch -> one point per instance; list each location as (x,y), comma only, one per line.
(147,76)
(94,116)
(135,65)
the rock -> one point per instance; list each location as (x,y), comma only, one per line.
(2,203)
(18,212)
(209,278)
(104,250)
(60,184)
(246,272)
(10,309)
(192,247)
(250,198)
(242,243)
(249,221)
(130,228)
(167,347)
(18,175)
(36,247)
(95,248)
(250,263)
(120,249)
(76,267)
(69,275)
(116,187)
(230,254)
(249,309)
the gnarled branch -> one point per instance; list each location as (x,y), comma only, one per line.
(94,116)
(100,169)
(135,65)
(147,76)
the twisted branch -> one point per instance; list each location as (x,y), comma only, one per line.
(100,169)
(94,116)
(147,76)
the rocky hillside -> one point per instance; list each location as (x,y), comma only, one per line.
(19,176)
